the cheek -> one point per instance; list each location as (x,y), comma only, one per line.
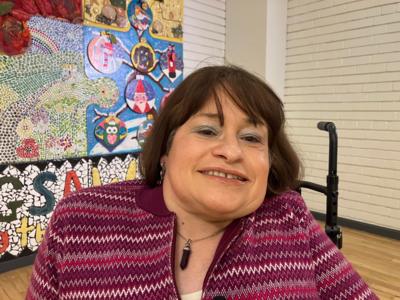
(265,170)
(260,163)
(181,156)
(186,149)
(261,169)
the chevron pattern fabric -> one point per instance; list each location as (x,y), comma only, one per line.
(117,242)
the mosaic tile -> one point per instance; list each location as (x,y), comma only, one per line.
(22,229)
(52,99)
(49,36)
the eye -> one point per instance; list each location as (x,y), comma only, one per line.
(206,131)
(251,138)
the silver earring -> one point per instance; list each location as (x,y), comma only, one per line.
(162,171)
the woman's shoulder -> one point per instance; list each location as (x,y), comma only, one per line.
(289,199)
(102,198)
(287,207)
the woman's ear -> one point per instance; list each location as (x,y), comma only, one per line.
(163,167)
(163,160)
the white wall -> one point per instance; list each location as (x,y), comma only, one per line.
(203,33)
(245,34)
(343,65)
(276,45)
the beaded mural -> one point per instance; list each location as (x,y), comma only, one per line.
(29,193)
(76,107)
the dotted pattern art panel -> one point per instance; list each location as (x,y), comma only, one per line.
(30,192)
(45,93)
(81,92)
(49,36)
(91,89)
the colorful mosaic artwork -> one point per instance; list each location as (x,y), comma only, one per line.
(80,95)
(167,19)
(145,62)
(109,14)
(29,193)
(44,95)
(65,98)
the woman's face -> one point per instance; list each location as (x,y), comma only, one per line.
(217,172)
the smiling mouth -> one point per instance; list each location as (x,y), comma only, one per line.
(223,175)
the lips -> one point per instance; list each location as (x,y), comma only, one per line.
(224,174)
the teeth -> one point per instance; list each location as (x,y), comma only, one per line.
(222,174)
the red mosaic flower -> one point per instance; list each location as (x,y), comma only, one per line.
(28,149)
(70,10)
(15,37)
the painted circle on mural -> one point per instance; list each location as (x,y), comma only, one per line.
(140,96)
(111,132)
(140,15)
(143,57)
(103,54)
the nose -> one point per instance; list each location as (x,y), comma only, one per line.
(228,148)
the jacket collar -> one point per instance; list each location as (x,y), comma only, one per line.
(152,201)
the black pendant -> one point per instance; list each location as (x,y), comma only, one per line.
(185,255)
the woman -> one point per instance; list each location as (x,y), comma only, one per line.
(215,219)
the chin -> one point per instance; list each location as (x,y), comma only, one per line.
(224,212)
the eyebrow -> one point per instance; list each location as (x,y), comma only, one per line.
(216,116)
(209,115)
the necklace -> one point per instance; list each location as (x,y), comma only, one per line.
(187,249)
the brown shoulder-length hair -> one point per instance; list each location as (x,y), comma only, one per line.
(252,95)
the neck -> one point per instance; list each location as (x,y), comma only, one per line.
(194,229)
(193,226)
(192,223)
(200,241)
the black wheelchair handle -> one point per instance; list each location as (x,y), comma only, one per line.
(331,129)
(326,126)
(312,186)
